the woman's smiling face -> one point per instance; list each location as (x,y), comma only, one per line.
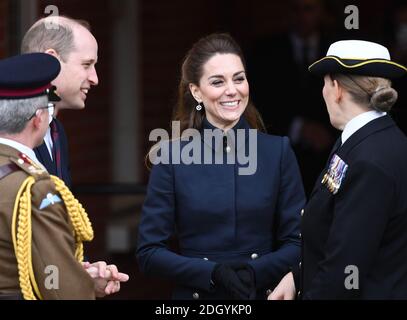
(223,89)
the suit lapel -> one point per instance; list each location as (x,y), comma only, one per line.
(44,157)
(364,132)
(356,138)
(335,148)
(64,153)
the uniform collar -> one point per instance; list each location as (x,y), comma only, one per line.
(21,148)
(358,122)
(241,124)
(370,128)
(343,150)
(230,135)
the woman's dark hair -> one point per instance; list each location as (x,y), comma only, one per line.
(192,71)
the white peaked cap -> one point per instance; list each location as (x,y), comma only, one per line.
(360,58)
(358,50)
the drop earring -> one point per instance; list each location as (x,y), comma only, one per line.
(199,106)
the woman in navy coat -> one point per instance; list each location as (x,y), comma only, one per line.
(236,220)
(354,239)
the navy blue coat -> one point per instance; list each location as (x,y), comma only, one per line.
(363,225)
(43,156)
(221,216)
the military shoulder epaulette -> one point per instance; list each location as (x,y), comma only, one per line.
(8,169)
(30,167)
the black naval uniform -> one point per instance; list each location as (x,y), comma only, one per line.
(363,226)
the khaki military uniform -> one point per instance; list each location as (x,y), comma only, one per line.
(53,242)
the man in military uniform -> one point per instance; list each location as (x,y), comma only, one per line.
(42,226)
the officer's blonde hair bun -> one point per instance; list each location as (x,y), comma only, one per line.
(373,92)
(383,98)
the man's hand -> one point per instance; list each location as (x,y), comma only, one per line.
(285,289)
(106,277)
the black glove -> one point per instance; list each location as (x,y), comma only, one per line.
(227,278)
(246,274)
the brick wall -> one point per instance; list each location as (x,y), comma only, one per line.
(167,30)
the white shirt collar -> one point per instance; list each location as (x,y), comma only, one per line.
(358,122)
(48,142)
(22,148)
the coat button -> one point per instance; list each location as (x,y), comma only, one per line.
(300,264)
(254,256)
(300,236)
(268,292)
(299,293)
(302,212)
(206,258)
(195,295)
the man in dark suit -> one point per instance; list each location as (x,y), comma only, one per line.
(287,96)
(354,240)
(72,43)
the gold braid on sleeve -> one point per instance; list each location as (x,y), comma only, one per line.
(22,232)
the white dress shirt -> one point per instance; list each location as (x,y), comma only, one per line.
(48,142)
(358,122)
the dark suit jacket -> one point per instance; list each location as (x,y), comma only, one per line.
(281,88)
(220,216)
(364,224)
(44,157)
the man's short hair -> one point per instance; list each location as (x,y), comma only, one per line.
(52,33)
(14,114)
